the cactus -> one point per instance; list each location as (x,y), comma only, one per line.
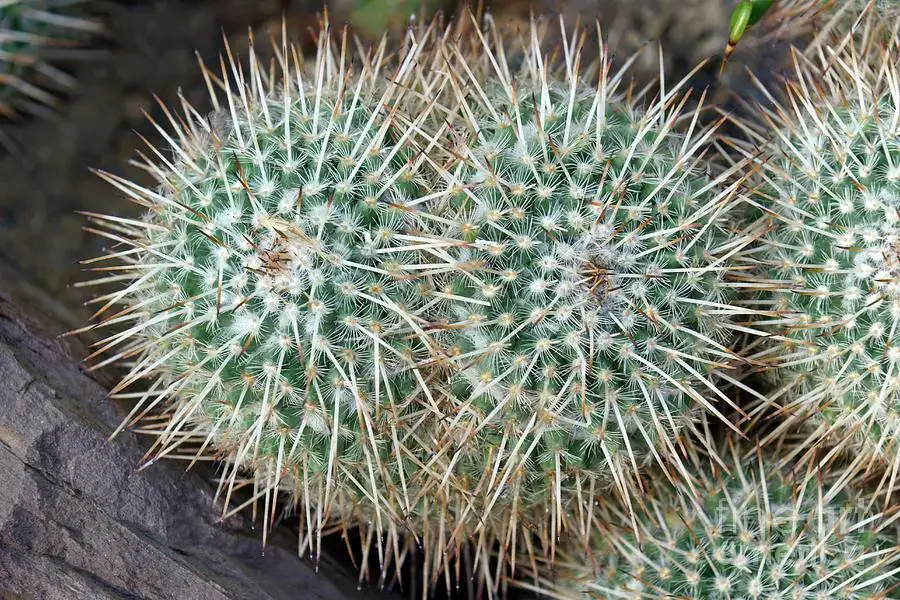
(29,30)
(435,306)
(590,319)
(757,532)
(828,190)
(274,291)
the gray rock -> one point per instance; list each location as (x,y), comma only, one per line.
(77,520)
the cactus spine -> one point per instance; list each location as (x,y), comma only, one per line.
(829,193)
(757,531)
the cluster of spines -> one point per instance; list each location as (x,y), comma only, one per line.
(758,530)
(597,265)
(274,292)
(827,190)
(827,19)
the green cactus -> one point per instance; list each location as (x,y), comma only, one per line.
(757,531)
(829,191)
(430,304)
(591,318)
(274,293)
(29,30)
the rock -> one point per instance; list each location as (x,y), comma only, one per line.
(77,520)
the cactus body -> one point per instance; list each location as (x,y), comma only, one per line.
(590,319)
(830,192)
(274,290)
(427,303)
(756,532)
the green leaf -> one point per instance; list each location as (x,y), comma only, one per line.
(740,20)
(760,8)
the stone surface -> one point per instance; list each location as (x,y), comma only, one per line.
(77,520)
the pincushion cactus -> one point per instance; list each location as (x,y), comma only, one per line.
(597,320)
(756,532)
(29,29)
(274,290)
(829,188)
(437,306)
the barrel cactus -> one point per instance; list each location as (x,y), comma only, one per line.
(422,301)
(275,292)
(590,319)
(829,191)
(30,30)
(757,532)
